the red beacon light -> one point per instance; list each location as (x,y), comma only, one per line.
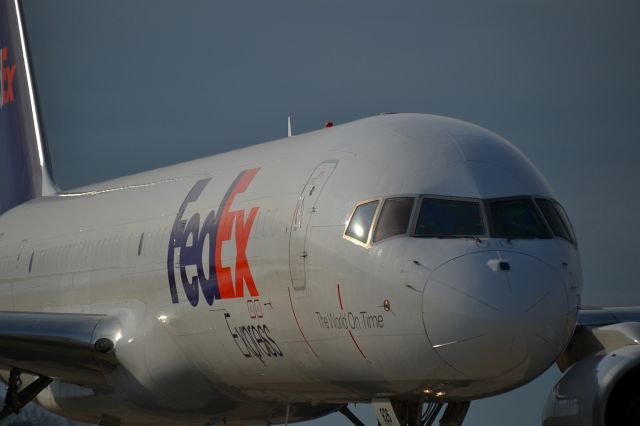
(328,124)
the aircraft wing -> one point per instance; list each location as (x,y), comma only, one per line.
(601,316)
(601,330)
(79,348)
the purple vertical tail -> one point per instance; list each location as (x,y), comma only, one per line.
(23,166)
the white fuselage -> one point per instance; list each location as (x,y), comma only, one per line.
(238,291)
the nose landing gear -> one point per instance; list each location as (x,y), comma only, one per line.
(16,399)
(455,413)
(423,413)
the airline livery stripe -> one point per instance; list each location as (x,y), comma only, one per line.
(298,322)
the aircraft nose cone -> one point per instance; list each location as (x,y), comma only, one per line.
(496,315)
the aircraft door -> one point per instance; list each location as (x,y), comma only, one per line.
(300,224)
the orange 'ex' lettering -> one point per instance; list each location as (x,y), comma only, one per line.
(243,229)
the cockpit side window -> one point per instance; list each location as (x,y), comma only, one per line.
(394,218)
(516,218)
(449,218)
(361,220)
(566,221)
(557,219)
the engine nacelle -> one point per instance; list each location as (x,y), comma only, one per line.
(602,388)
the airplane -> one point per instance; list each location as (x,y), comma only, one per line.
(410,261)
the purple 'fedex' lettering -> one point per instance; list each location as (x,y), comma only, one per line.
(187,246)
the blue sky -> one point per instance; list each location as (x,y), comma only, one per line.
(128,86)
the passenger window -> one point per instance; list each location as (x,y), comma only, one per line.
(361,220)
(394,218)
(557,219)
(516,218)
(449,218)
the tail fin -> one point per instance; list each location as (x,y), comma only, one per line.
(23,168)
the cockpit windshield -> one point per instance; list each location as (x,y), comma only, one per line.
(449,218)
(522,217)
(394,218)
(516,218)
(557,219)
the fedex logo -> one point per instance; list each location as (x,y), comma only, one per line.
(8,74)
(189,244)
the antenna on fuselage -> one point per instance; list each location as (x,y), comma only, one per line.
(289,133)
